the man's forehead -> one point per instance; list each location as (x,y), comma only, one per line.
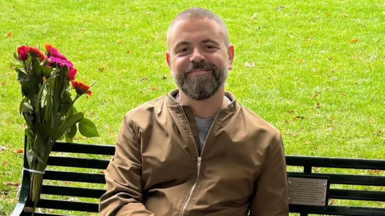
(191,25)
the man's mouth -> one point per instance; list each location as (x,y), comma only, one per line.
(200,71)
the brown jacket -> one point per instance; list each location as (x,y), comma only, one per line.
(158,169)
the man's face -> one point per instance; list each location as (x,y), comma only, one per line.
(198,57)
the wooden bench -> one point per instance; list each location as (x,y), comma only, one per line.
(304,167)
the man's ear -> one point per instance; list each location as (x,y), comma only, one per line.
(230,53)
(168,59)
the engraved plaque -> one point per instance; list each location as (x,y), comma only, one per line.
(308,191)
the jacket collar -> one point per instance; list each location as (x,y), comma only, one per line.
(229,108)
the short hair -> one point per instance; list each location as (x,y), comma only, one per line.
(200,13)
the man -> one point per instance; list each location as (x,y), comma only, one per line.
(196,151)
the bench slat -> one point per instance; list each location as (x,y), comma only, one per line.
(39,214)
(335,162)
(84,148)
(290,160)
(74,177)
(77,162)
(72,191)
(349,179)
(357,195)
(67,205)
(97,193)
(338,210)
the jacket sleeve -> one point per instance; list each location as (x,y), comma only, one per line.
(124,177)
(271,188)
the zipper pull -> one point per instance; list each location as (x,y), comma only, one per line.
(199,163)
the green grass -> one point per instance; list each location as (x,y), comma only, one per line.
(300,50)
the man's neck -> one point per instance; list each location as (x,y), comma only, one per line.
(206,108)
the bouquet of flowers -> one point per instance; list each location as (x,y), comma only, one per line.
(47,106)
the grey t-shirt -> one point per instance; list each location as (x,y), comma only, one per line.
(203,125)
(203,128)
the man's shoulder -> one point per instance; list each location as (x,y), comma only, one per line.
(255,123)
(146,109)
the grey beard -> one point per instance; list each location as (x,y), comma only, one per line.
(201,87)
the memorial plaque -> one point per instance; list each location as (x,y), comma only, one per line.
(308,191)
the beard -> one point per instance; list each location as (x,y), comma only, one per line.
(201,87)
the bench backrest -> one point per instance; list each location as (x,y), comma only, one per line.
(79,190)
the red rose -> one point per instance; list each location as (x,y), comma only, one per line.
(22,53)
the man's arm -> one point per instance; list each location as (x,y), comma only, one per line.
(124,177)
(271,189)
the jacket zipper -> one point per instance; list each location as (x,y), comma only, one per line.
(192,189)
(198,165)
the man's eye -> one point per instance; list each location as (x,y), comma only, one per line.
(183,50)
(210,47)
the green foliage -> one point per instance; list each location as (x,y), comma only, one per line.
(87,128)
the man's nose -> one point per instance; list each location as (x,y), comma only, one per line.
(197,56)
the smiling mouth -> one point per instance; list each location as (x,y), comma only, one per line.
(200,71)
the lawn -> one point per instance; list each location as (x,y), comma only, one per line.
(313,69)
